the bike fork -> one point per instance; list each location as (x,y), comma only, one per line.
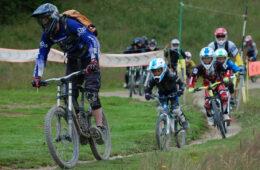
(70,110)
(58,138)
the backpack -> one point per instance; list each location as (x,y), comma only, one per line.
(226,47)
(80,18)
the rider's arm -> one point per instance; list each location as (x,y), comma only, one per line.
(41,60)
(183,54)
(86,35)
(255,49)
(194,77)
(151,84)
(233,66)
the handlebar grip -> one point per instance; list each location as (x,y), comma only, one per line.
(43,83)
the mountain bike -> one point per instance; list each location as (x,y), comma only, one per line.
(132,81)
(143,74)
(168,124)
(64,129)
(216,107)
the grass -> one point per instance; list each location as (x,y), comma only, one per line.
(238,152)
(22,115)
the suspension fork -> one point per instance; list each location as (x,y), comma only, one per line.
(70,109)
(58,138)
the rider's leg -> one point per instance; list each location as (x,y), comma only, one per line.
(176,110)
(126,77)
(232,92)
(224,99)
(210,120)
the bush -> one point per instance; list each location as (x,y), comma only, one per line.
(19,10)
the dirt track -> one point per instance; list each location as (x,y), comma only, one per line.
(233,129)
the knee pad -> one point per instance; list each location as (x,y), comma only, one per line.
(93,100)
(207,105)
(176,110)
(224,96)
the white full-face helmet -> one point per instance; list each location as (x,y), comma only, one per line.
(173,43)
(188,56)
(206,54)
(221,53)
(158,63)
(221,36)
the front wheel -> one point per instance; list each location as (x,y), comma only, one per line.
(163,137)
(102,152)
(218,118)
(63,148)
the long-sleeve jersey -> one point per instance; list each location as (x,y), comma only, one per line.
(168,84)
(71,43)
(251,47)
(233,66)
(229,46)
(220,71)
(174,56)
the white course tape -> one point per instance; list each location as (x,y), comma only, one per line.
(106,60)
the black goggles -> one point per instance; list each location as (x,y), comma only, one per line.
(221,36)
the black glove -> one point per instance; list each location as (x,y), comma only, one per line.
(92,66)
(148,96)
(180,92)
(36,81)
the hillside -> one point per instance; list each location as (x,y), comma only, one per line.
(119,21)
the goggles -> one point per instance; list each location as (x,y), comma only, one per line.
(221,36)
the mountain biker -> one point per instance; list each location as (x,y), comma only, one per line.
(221,41)
(251,48)
(211,73)
(144,42)
(174,54)
(136,47)
(189,63)
(166,82)
(82,49)
(222,57)
(152,46)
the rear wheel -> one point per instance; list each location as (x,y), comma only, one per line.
(102,152)
(163,139)
(180,135)
(63,148)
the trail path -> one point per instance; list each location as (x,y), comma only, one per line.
(233,129)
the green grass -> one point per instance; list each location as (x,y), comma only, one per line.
(22,115)
(238,152)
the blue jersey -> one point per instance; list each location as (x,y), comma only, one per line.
(233,66)
(78,30)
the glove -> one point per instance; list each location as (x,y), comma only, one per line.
(148,96)
(226,79)
(191,90)
(92,66)
(180,92)
(36,81)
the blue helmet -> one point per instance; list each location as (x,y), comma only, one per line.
(47,16)
(155,64)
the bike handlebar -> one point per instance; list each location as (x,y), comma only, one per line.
(172,95)
(62,79)
(208,87)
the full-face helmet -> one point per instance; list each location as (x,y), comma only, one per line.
(175,44)
(207,59)
(221,55)
(47,16)
(221,35)
(158,69)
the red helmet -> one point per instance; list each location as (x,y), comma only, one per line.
(248,40)
(221,33)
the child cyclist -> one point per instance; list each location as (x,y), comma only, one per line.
(211,72)
(166,82)
(221,56)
